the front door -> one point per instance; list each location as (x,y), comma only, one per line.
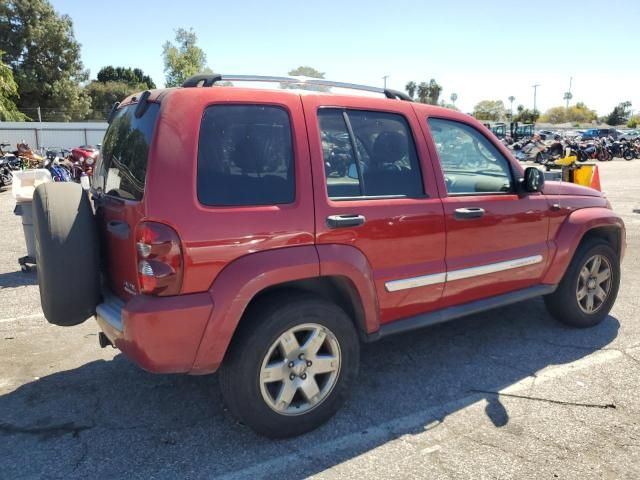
(377,194)
(496,238)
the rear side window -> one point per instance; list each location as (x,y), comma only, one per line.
(368,154)
(245,156)
(125,153)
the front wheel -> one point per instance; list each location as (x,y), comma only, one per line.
(589,287)
(291,365)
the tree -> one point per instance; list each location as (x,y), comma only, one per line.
(130,76)
(434,92)
(490,110)
(450,106)
(526,116)
(567,98)
(620,114)
(578,113)
(45,58)
(104,94)
(183,59)
(411,88)
(634,121)
(426,92)
(8,92)
(511,100)
(453,97)
(306,71)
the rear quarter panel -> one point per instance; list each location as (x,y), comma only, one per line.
(212,237)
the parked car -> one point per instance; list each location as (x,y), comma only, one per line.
(266,234)
(548,134)
(600,133)
(629,135)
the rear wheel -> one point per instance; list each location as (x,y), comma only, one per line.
(291,365)
(589,287)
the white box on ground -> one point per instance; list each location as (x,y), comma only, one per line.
(26,181)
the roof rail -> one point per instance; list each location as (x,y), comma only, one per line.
(207,80)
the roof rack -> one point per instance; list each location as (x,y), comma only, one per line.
(207,80)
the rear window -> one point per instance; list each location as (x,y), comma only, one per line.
(245,156)
(125,153)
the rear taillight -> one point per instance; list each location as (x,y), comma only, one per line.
(159,255)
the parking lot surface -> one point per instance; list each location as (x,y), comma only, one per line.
(505,394)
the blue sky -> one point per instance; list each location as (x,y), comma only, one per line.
(477,49)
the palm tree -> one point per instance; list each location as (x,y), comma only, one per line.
(567,96)
(511,99)
(411,87)
(454,97)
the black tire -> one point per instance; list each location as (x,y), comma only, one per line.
(259,330)
(67,255)
(563,303)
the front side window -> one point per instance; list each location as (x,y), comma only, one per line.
(470,162)
(368,154)
(245,156)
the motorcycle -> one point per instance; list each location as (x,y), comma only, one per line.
(29,158)
(59,172)
(83,159)
(537,151)
(6,174)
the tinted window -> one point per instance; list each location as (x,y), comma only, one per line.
(245,156)
(470,162)
(125,153)
(377,158)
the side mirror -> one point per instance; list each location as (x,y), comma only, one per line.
(533,180)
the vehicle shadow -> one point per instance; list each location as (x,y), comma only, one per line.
(18,279)
(111,418)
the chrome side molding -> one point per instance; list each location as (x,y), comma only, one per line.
(443,277)
(422,281)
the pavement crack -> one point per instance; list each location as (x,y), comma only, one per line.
(547,400)
(45,432)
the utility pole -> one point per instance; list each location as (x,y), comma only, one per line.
(535,92)
(385,80)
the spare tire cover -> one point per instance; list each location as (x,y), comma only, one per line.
(67,253)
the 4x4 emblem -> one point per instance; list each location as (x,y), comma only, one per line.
(130,288)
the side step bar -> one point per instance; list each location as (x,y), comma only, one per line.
(451,313)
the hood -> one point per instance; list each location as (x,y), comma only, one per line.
(566,188)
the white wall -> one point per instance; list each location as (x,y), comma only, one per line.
(52,134)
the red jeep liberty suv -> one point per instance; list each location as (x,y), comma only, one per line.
(265,233)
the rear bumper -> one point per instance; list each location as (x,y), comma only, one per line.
(161,334)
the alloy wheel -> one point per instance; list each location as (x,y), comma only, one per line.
(300,369)
(594,284)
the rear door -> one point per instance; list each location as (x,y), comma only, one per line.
(375,192)
(120,178)
(496,238)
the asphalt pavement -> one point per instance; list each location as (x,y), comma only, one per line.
(505,394)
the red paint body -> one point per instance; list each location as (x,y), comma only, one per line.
(232,254)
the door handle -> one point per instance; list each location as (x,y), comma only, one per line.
(344,221)
(119,229)
(466,213)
